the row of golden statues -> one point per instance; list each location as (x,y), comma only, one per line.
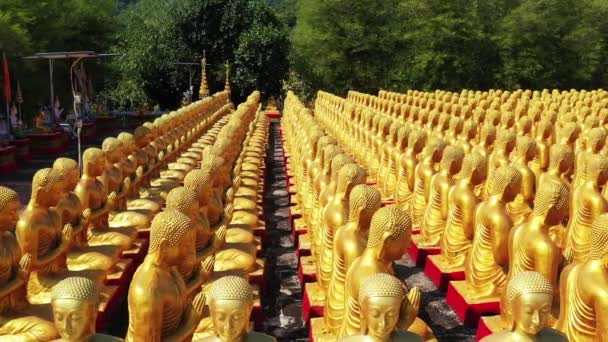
(508,187)
(182,193)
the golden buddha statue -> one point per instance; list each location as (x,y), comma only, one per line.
(455,129)
(335,215)
(385,153)
(17,321)
(521,206)
(158,310)
(75,302)
(541,159)
(408,162)
(80,255)
(595,141)
(587,203)
(436,212)
(505,144)
(468,135)
(529,296)
(382,296)
(487,135)
(390,230)
(583,285)
(485,274)
(349,243)
(394,156)
(92,196)
(462,202)
(230,301)
(321,180)
(530,248)
(423,174)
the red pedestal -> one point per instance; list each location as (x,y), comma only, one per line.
(87,133)
(309,308)
(273,114)
(304,275)
(439,277)
(7,159)
(419,255)
(483,328)
(48,143)
(469,311)
(22,152)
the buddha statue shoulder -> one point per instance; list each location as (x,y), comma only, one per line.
(75,302)
(485,274)
(230,301)
(406,178)
(157,298)
(521,207)
(390,230)
(460,226)
(383,298)
(587,203)
(583,295)
(436,212)
(423,174)
(530,296)
(16,322)
(530,247)
(349,243)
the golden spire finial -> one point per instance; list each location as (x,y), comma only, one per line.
(204,90)
(227,85)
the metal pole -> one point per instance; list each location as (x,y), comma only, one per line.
(53,119)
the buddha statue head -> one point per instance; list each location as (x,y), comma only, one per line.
(329,152)
(561,159)
(524,125)
(568,133)
(456,125)
(596,139)
(505,140)
(530,296)
(433,151)
(599,238)
(390,231)
(230,301)
(9,208)
(597,169)
(402,136)
(69,172)
(474,168)
(112,148)
(93,161)
(349,176)
(451,160)
(128,142)
(183,200)
(469,130)
(505,183)
(381,297)
(47,188)
(75,302)
(551,203)
(545,129)
(337,162)
(363,202)
(416,141)
(172,238)
(488,134)
(525,149)
(201,182)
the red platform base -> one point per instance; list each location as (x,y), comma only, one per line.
(273,114)
(469,311)
(386,203)
(419,255)
(484,328)
(440,277)
(7,159)
(48,143)
(311,307)
(305,270)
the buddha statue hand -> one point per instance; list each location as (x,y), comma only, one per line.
(410,308)
(126,185)
(112,200)
(139,172)
(220,237)
(228,211)
(67,233)
(198,305)
(207,268)
(25,265)
(85,218)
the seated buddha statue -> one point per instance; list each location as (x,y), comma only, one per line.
(335,215)
(521,206)
(541,159)
(505,144)
(17,322)
(436,212)
(386,148)
(92,196)
(406,178)
(75,302)
(321,181)
(394,154)
(529,295)
(595,141)
(81,256)
(530,248)
(487,135)
(586,203)
(485,274)
(423,174)
(158,306)
(230,301)
(466,138)
(454,130)
(382,296)
(349,242)
(462,202)
(582,315)
(390,230)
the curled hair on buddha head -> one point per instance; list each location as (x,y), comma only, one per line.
(45,178)
(503,177)
(7,195)
(110,144)
(558,153)
(550,195)
(596,163)
(181,199)
(471,162)
(170,225)
(388,220)
(381,285)
(528,282)
(366,197)
(596,136)
(349,176)
(523,145)
(198,179)
(78,288)
(63,166)
(450,155)
(231,288)
(599,238)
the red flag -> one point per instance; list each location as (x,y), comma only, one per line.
(7,81)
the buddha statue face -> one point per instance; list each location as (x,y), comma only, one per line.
(230,304)
(75,305)
(531,296)
(381,298)
(9,208)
